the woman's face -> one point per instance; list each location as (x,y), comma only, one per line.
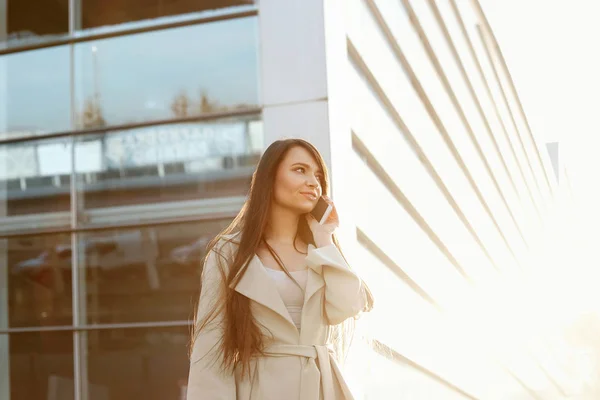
(298,181)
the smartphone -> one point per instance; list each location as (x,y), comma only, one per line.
(322,210)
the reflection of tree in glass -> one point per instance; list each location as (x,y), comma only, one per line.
(207,105)
(182,106)
(92,115)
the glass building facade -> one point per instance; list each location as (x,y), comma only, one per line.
(128,135)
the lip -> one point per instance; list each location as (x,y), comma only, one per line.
(310,195)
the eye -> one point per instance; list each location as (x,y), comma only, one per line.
(300,169)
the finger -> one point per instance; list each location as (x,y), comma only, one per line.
(330,202)
(333,217)
(334,213)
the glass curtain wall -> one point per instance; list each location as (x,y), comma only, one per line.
(128,134)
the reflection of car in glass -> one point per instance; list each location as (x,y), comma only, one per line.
(123,253)
(60,256)
(103,253)
(191,253)
(52,268)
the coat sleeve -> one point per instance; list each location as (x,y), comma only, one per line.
(206,379)
(346,295)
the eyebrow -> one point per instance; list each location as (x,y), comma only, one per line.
(307,166)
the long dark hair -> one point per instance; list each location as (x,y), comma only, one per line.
(242,338)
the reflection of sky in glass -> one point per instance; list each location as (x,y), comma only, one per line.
(37,84)
(137,76)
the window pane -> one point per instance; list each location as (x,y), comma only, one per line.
(98,13)
(32,21)
(144,274)
(34,179)
(39,280)
(135,78)
(34,87)
(165,74)
(149,364)
(168,163)
(38,366)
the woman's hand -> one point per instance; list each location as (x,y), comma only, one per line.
(322,234)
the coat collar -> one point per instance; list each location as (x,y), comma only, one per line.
(315,280)
(257,285)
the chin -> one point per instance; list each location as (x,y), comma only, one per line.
(304,209)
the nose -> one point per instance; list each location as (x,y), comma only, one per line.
(313,182)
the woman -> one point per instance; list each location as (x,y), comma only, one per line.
(275,289)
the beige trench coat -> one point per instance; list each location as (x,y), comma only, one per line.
(297,365)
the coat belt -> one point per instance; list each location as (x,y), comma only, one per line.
(310,381)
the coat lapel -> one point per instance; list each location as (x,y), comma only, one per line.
(315,281)
(257,285)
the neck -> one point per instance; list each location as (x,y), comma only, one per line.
(283,225)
